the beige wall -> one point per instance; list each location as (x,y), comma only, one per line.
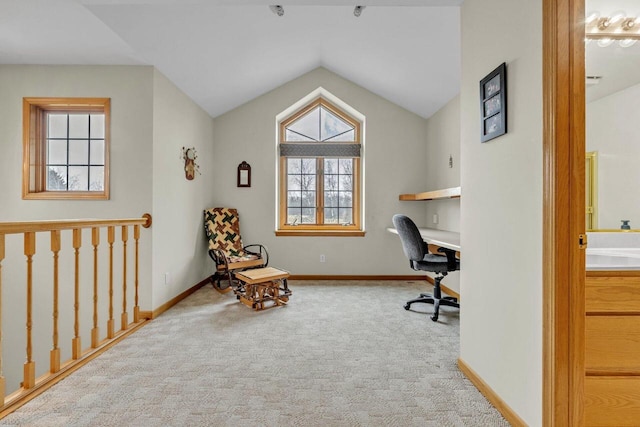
(612,130)
(150,121)
(395,149)
(501,206)
(179,241)
(131,91)
(443,140)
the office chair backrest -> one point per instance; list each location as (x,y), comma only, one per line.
(412,244)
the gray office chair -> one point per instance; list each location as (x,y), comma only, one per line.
(417,251)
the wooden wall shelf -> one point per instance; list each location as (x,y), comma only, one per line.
(447,193)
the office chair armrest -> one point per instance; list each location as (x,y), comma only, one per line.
(452,262)
(264,254)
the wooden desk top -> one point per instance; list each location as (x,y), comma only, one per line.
(446,239)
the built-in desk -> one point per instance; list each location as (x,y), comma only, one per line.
(446,239)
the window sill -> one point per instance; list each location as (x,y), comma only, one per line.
(321,233)
(65,195)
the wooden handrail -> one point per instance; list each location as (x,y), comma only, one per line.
(18,227)
(30,229)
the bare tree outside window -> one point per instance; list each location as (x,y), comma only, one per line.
(75,151)
(301,175)
(338,191)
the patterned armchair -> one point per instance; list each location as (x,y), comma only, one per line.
(222,226)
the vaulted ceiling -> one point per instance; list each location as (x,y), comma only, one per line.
(223,53)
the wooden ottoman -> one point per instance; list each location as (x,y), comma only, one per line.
(260,285)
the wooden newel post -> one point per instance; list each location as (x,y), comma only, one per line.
(124,324)
(95,332)
(2,381)
(111,237)
(54,359)
(29,366)
(76,346)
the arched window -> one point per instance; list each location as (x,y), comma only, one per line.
(320,151)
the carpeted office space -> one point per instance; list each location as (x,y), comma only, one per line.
(405,153)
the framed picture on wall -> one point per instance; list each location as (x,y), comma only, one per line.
(493,104)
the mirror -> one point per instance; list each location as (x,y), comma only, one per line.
(613,118)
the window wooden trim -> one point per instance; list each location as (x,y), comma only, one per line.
(34,153)
(314,104)
(316,232)
(352,230)
(323,228)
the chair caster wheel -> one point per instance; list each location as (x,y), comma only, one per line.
(407,306)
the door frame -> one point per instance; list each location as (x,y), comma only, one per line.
(563,212)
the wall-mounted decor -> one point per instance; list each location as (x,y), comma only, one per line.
(493,104)
(189,156)
(244,174)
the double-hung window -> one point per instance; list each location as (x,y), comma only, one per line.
(320,172)
(66,148)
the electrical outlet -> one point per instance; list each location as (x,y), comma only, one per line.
(167,278)
(435,218)
(322,258)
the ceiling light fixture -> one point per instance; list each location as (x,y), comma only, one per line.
(358,11)
(277,9)
(593,80)
(609,29)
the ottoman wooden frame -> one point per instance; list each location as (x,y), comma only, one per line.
(261,285)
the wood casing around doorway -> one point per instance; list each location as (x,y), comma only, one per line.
(563,212)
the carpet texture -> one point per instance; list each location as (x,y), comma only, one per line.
(339,354)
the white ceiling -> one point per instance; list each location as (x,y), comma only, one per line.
(223,53)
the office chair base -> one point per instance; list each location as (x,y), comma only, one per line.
(437,302)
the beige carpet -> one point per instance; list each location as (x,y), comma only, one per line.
(340,354)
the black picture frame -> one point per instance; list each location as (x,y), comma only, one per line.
(493,104)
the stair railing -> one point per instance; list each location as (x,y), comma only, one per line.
(30,385)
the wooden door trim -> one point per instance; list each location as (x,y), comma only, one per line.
(563,212)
